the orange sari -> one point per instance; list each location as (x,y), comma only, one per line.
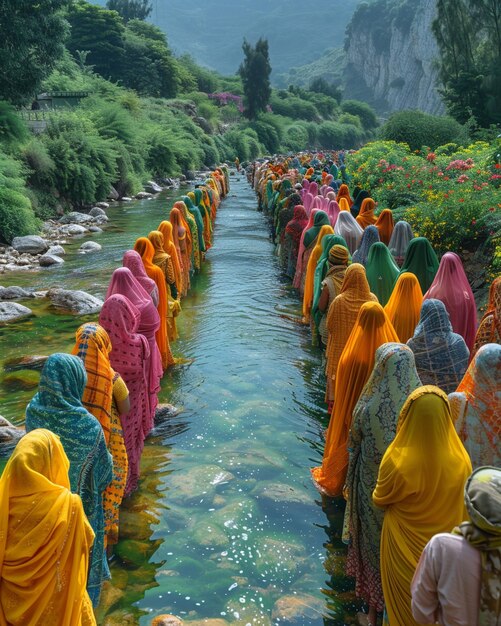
(404,306)
(384,224)
(366,216)
(170,248)
(344,205)
(310,272)
(344,192)
(371,330)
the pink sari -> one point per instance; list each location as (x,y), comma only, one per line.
(128,357)
(124,283)
(300,267)
(133,261)
(451,286)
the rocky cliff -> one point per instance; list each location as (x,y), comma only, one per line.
(391,56)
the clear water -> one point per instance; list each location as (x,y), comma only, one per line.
(226,521)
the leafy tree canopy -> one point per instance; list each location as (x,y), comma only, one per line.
(255,72)
(131,9)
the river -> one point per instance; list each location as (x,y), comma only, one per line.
(226,523)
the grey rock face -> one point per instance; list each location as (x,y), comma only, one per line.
(12,311)
(77,302)
(30,243)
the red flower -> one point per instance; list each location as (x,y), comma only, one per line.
(461,199)
(408,185)
(473,222)
(491,209)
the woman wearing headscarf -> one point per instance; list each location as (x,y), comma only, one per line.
(298,272)
(441,354)
(385,225)
(197,204)
(57,406)
(330,286)
(348,228)
(359,198)
(420,487)
(132,261)
(123,283)
(145,248)
(370,236)
(182,240)
(366,216)
(323,266)
(344,205)
(476,407)
(320,219)
(344,193)
(193,228)
(458,577)
(45,538)
(197,216)
(399,241)
(421,260)
(169,247)
(373,428)
(309,281)
(129,358)
(106,396)
(451,286)
(292,239)
(404,306)
(382,272)
(371,330)
(341,317)
(163,260)
(489,330)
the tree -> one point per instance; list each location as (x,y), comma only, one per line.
(32,35)
(255,73)
(131,9)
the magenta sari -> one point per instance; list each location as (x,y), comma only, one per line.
(124,283)
(133,261)
(300,266)
(451,286)
(129,354)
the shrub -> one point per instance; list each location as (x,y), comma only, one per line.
(12,128)
(363,111)
(16,215)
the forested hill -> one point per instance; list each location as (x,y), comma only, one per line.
(212,31)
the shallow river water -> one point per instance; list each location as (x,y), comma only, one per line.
(226,523)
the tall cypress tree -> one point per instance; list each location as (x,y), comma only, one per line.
(255,72)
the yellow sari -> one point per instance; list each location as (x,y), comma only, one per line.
(45,538)
(404,306)
(421,487)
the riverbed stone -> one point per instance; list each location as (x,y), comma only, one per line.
(47,260)
(121,617)
(208,621)
(25,380)
(57,250)
(282,493)
(96,210)
(31,362)
(73,229)
(209,535)
(152,187)
(197,482)
(9,436)
(95,229)
(125,199)
(136,524)
(77,302)
(133,552)
(248,612)
(14,293)
(144,195)
(280,560)
(108,600)
(12,311)
(90,246)
(166,620)
(297,609)
(75,217)
(32,244)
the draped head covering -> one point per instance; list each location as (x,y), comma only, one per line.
(400,238)
(169,247)
(372,328)
(57,406)
(344,205)
(180,230)
(344,193)
(132,261)
(482,497)
(404,306)
(451,286)
(420,259)
(93,346)
(297,224)
(476,407)
(300,265)
(420,486)
(193,228)
(195,212)
(348,228)
(45,538)
(319,219)
(359,198)
(366,216)
(382,272)
(489,330)
(441,355)
(370,236)
(310,270)
(160,257)
(385,225)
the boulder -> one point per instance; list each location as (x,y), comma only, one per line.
(89,246)
(166,620)
(34,362)
(46,260)
(96,211)
(73,229)
(164,411)
(95,229)
(101,205)
(32,244)
(75,218)
(9,436)
(297,609)
(57,250)
(12,311)
(14,293)
(125,199)
(190,175)
(113,193)
(282,493)
(152,187)
(144,195)
(77,302)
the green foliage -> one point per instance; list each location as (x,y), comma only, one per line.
(418,129)
(32,35)
(293,107)
(348,118)
(296,137)
(12,129)
(202,79)
(16,214)
(131,9)
(363,111)
(320,85)
(255,73)
(337,136)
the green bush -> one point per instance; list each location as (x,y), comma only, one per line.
(296,137)
(16,215)
(363,111)
(12,128)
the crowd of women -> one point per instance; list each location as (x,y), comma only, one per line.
(61,490)
(412,390)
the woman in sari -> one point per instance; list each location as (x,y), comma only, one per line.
(344,192)
(330,286)
(196,254)
(145,248)
(385,225)
(292,239)
(309,281)
(366,216)
(441,355)
(421,260)
(399,241)
(344,205)
(341,317)
(371,330)
(359,198)
(182,240)
(476,407)
(489,330)
(373,428)
(197,216)
(348,228)
(163,260)
(123,283)
(169,247)
(451,286)
(129,358)
(404,306)
(196,199)
(57,406)
(420,487)
(106,396)
(370,236)
(320,219)
(132,261)
(382,272)
(45,538)
(298,271)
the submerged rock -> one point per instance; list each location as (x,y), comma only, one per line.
(144,195)
(30,243)
(167,620)
(48,260)
(12,311)
(26,380)
(198,482)
(280,492)
(89,246)
(57,250)
(33,362)
(9,436)
(165,411)
(280,560)
(78,302)
(14,293)
(296,610)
